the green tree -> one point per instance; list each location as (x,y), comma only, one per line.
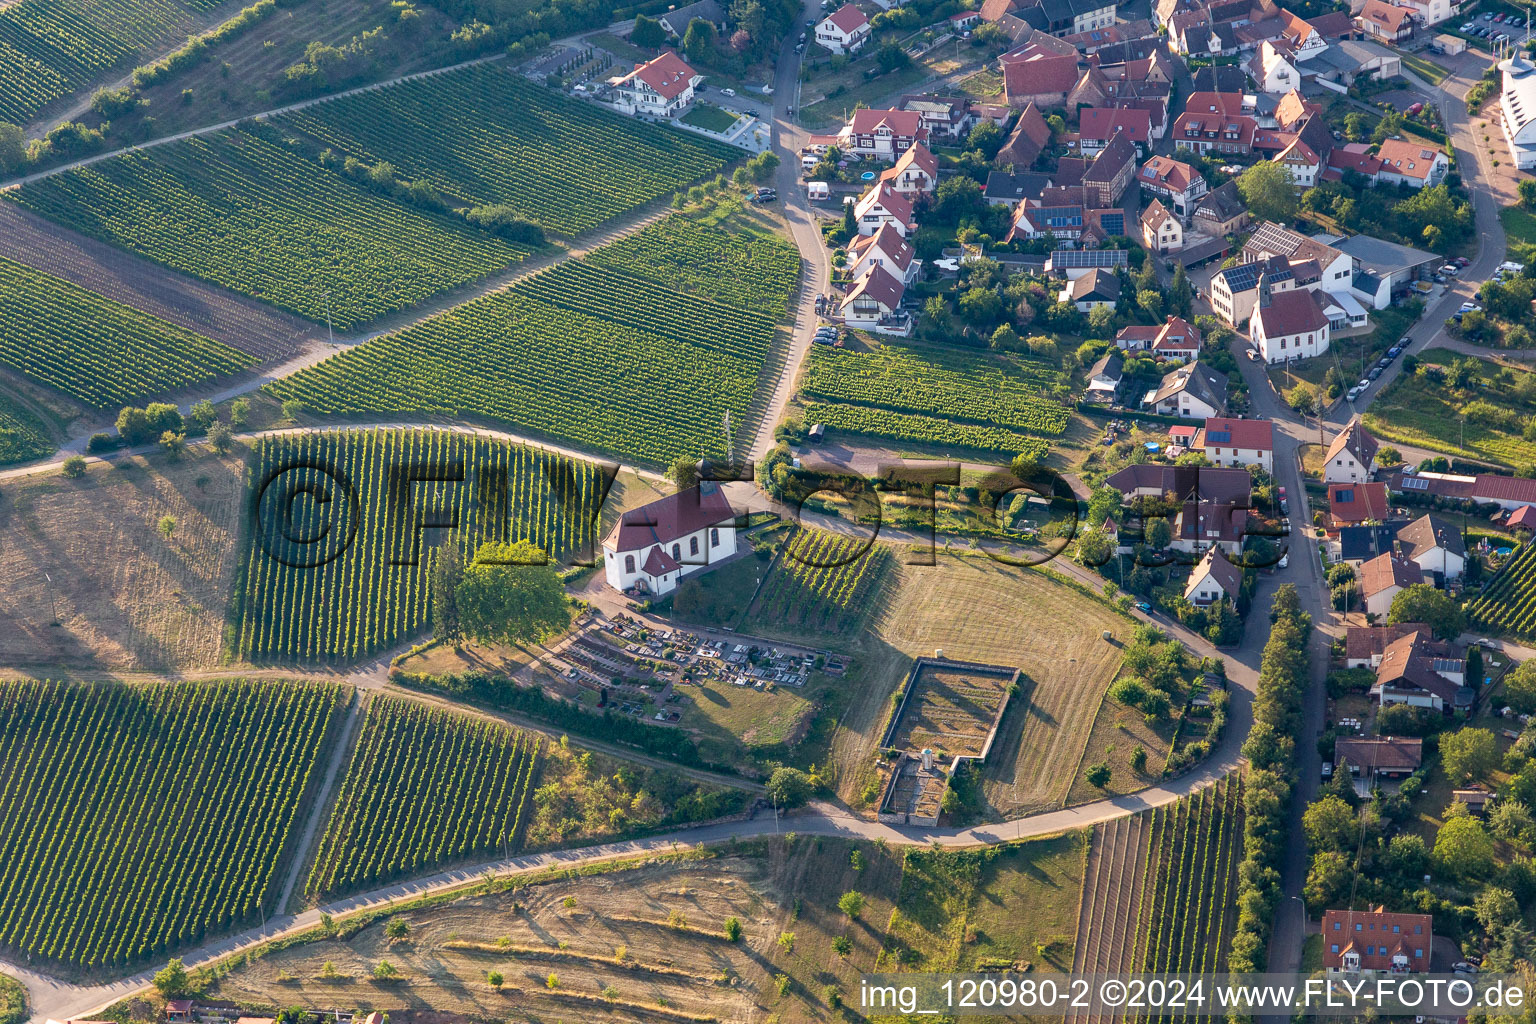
(173,443)
(842,945)
(1474,668)
(1421,602)
(1099,774)
(384,970)
(1520,688)
(239,412)
(648,33)
(1159,533)
(171,981)
(203,415)
(1512,820)
(699,41)
(1268,191)
(398,928)
(74,466)
(1181,298)
(788,787)
(986,136)
(890,57)
(293,408)
(134,426)
(1139,759)
(167,526)
(511,594)
(1328,881)
(1463,848)
(1527,190)
(1100,318)
(494,979)
(13,148)
(1468,754)
(732,929)
(220,437)
(447,576)
(684,472)
(1150,300)
(851,903)
(1330,824)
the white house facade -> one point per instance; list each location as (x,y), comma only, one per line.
(656,545)
(662,87)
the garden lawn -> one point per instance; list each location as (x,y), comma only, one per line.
(1493,413)
(710,117)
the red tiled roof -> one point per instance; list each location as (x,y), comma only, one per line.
(1228,103)
(898,205)
(917,155)
(675,516)
(878,284)
(1492,487)
(1361,643)
(1365,932)
(659,563)
(1168,172)
(1255,434)
(888,241)
(1290,313)
(1041,73)
(1523,518)
(1385,15)
(904,123)
(666,75)
(1355,157)
(1211,521)
(1356,503)
(1101,123)
(1386,571)
(1355,439)
(1214,129)
(848,19)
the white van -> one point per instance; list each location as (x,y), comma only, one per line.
(817,190)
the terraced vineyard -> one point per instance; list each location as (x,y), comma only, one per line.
(891,391)
(1508,603)
(823,581)
(22,435)
(425,788)
(242,210)
(361,586)
(487,135)
(135,820)
(1188,913)
(1113,882)
(639,364)
(52,48)
(93,349)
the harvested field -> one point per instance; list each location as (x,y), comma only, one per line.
(1029,619)
(645,940)
(127,596)
(194,305)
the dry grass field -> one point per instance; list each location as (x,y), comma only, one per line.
(646,942)
(127,596)
(1022,619)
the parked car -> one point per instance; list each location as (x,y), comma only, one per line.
(1285,561)
(728,91)
(1363,383)
(1144,607)
(1375,372)
(1462,261)
(1483,641)
(1462,967)
(1354,393)
(1327,769)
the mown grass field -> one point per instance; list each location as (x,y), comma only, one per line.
(1492,414)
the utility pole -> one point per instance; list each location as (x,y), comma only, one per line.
(53,608)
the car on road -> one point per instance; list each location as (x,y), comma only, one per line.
(1375,372)
(728,91)
(1354,392)
(1462,261)
(1285,560)
(1462,967)
(1487,15)
(1483,641)
(1383,363)
(799,47)
(1144,607)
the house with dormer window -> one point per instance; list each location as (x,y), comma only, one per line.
(1371,942)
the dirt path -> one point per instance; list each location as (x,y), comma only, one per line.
(324,797)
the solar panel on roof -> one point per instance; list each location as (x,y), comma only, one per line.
(1219,436)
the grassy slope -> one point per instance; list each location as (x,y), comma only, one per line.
(1420,412)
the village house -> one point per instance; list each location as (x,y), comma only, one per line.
(1111,172)
(1411,163)
(1383,578)
(1289,325)
(1204,133)
(845,30)
(1040,76)
(662,87)
(1385,22)
(1029,138)
(1221,212)
(1235,290)
(1508,492)
(882,206)
(1178,185)
(1370,942)
(1517,108)
(1234,442)
(1097,125)
(1104,377)
(1005,189)
(1233,487)
(1214,579)
(676,21)
(885,248)
(1364,646)
(1161,231)
(1435,546)
(1094,289)
(915,173)
(881,135)
(874,304)
(1351,455)
(1357,545)
(1357,503)
(1378,758)
(1192,391)
(1422,672)
(1057,17)
(1202,526)
(656,545)
(1272,69)
(1174,339)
